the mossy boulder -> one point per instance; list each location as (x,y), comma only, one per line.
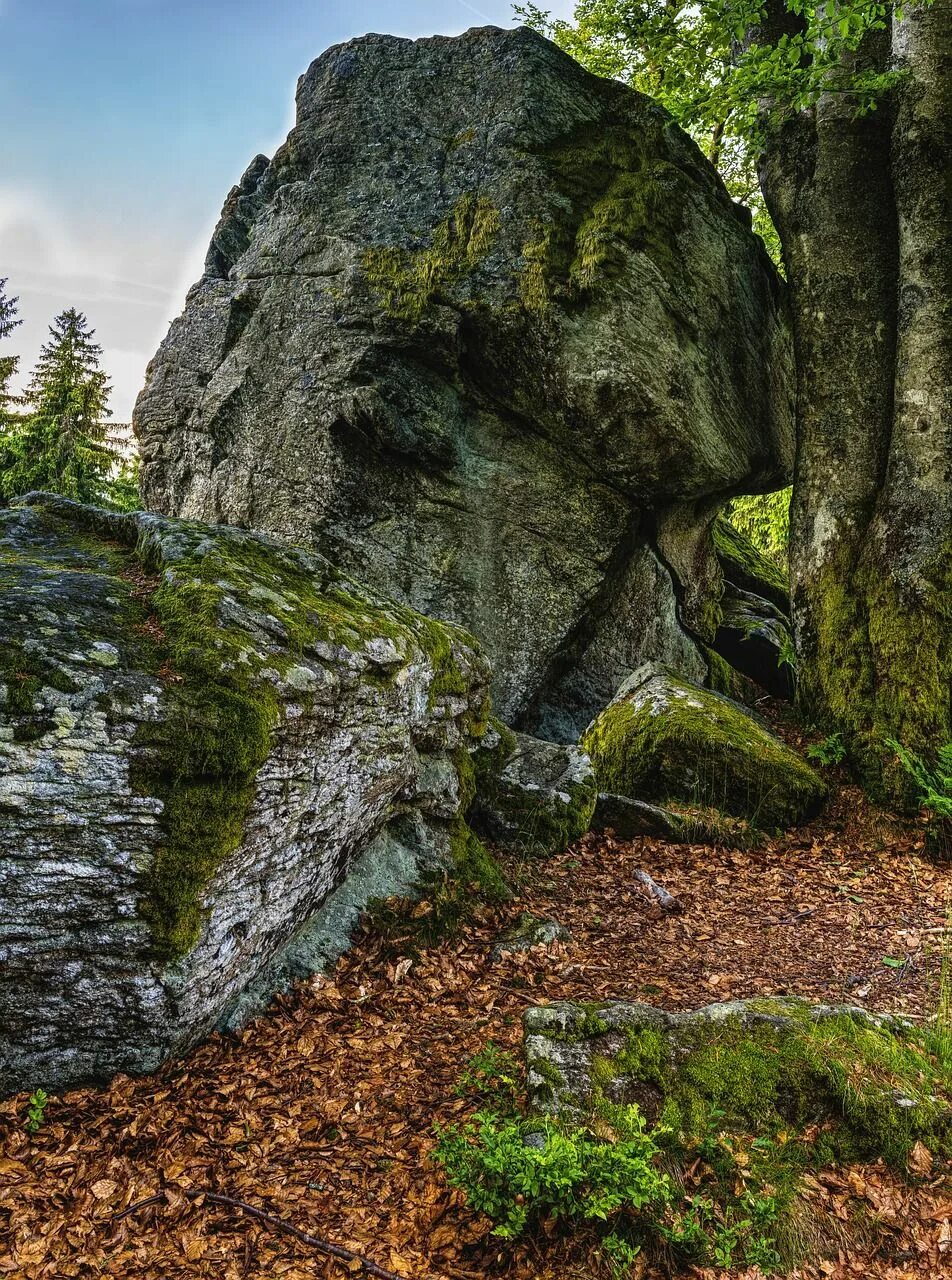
(664,739)
(747,567)
(202,733)
(532,796)
(468,337)
(749,1096)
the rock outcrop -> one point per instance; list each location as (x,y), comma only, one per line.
(664,739)
(531,796)
(475,331)
(214,748)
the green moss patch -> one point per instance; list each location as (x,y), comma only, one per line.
(407,283)
(878,665)
(754,1094)
(223,619)
(615,194)
(747,567)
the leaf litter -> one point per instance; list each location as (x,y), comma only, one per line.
(321,1112)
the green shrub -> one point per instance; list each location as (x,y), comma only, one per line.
(830,750)
(518,1171)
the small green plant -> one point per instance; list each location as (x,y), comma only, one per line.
(787,654)
(519,1172)
(933,783)
(829,750)
(620,1254)
(493,1075)
(36,1107)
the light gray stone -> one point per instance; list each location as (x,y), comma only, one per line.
(108,771)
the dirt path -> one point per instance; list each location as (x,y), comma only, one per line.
(322,1111)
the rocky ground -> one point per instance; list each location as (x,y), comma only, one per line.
(321,1112)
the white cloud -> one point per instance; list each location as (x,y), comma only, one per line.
(53,265)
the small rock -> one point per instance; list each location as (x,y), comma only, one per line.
(527,932)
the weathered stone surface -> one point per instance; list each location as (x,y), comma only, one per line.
(527,932)
(479,323)
(532,795)
(664,739)
(203,732)
(754,638)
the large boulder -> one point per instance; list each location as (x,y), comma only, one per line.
(665,739)
(473,330)
(203,734)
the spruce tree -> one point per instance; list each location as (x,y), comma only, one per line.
(61,446)
(8,364)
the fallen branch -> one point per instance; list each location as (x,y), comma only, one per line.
(271,1220)
(666,901)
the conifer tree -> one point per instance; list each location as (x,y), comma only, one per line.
(8,364)
(61,446)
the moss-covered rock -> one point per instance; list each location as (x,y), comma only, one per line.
(755,639)
(201,732)
(753,1094)
(873,1084)
(748,568)
(531,795)
(664,739)
(466,351)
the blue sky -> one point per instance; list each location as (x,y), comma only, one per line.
(125,124)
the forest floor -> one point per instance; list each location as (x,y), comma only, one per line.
(322,1111)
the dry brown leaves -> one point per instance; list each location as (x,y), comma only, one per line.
(322,1111)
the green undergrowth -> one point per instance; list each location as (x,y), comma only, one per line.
(707,1166)
(407,283)
(616,196)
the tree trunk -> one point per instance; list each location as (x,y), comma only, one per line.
(862,207)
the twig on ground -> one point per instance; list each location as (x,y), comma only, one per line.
(271,1220)
(796,917)
(666,901)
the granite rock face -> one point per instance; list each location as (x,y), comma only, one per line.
(533,796)
(214,748)
(477,327)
